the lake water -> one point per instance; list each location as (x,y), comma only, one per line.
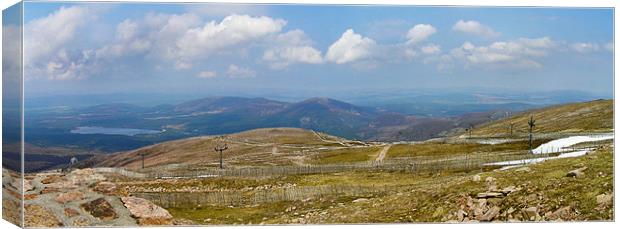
(109,130)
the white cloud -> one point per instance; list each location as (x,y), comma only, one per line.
(420,32)
(520,53)
(431,49)
(184,39)
(126,30)
(585,47)
(130,40)
(47,35)
(350,47)
(232,30)
(474,27)
(291,47)
(46,40)
(67,65)
(235,71)
(207,74)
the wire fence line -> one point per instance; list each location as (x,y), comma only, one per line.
(240,198)
(302,193)
(447,163)
(463,162)
(120,171)
(554,135)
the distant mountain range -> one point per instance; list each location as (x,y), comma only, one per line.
(224,115)
(54,132)
(221,115)
(587,117)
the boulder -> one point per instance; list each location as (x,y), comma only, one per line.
(47,190)
(70,212)
(524,169)
(146,212)
(531,197)
(490,195)
(561,213)
(38,216)
(69,196)
(490,214)
(11,210)
(182,221)
(360,200)
(604,200)
(531,213)
(460,215)
(100,208)
(61,184)
(508,190)
(28,186)
(480,207)
(52,179)
(490,179)
(81,222)
(577,172)
(476,178)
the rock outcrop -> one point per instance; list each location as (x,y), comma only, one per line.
(100,208)
(146,212)
(80,198)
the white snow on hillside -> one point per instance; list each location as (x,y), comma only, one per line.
(559,145)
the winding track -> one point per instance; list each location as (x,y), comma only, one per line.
(383,152)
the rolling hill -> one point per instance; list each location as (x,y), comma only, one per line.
(593,116)
(227,115)
(254,147)
(297,146)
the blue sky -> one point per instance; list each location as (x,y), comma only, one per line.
(179,48)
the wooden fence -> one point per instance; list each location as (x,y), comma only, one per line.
(240,198)
(120,171)
(448,163)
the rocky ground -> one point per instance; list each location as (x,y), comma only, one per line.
(79,198)
(568,189)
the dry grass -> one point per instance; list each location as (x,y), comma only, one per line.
(547,182)
(594,116)
(429,197)
(349,155)
(431,149)
(253,147)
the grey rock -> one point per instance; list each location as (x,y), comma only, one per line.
(576,172)
(142,208)
(490,214)
(604,199)
(490,195)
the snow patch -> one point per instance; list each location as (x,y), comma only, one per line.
(559,144)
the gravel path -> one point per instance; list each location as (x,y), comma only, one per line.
(383,152)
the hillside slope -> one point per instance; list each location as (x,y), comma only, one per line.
(254,147)
(593,116)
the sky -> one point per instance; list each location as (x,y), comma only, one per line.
(83,48)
